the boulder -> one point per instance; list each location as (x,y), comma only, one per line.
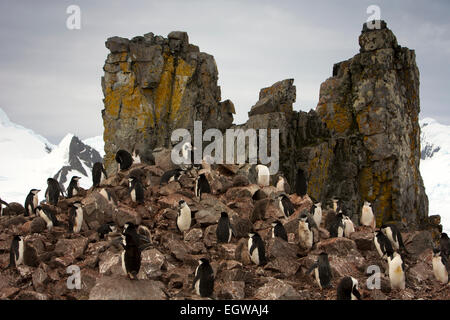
(276,289)
(121,288)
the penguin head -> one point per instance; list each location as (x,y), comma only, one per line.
(34,191)
(318,204)
(251,234)
(76,204)
(276,223)
(128,226)
(436,252)
(75,178)
(203,261)
(280,178)
(17,238)
(444,236)
(182,204)
(223,214)
(367,203)
(303,217)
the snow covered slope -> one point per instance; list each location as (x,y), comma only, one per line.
(435,168)
(27,160)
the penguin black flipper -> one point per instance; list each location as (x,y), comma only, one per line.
(300,183)
(288,206)
(3,202)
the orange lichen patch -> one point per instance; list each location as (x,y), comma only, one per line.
(384,204)
(183,73)
(336,117)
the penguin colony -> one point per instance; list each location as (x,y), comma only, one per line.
(135,238)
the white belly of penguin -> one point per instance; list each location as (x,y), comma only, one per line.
(78,220)
(367,217)
(35,202)
(348,228)
(305,235)
(316,273)
(317,217)
(280,186)
(377,246)
(197,287)
(47,220)
(123,263)
(255,254)
(439,270)
(230,233)
(19,259)
(74,191)
(184,220)
(396,274)
(133,195)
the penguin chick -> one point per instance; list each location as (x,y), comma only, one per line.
(441,266)
(396,271)
(184,218)
(305,233)
(367,216)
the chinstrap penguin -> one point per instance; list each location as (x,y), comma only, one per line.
(256,249)
(203,279)
(31,202)
(279,231)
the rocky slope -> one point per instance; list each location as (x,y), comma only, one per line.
(362,143)
(169,262)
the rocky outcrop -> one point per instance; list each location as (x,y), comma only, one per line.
(362,143)
(153,85)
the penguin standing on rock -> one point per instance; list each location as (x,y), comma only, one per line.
(184,218)
(98,174)
(74,187)
(383,245)
(349,227)
(279,231)
(171,175)
(124,160)
(394,236)
(316,212)
(16,251)
(131,256)
(282,185)
(337,226)
(441,266)
(202,186)
(204,278)
(48,216)
(300,183)
(256,249)
(396,271)
(285,205)
(53,191)
(75,217)
(31,202)
(348,289)
(224,229)
(136,189)
(305,233)
(322,271)
(367,216)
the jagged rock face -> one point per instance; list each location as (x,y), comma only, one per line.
(371,107)
(153,85)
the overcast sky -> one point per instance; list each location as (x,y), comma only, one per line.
(50,75)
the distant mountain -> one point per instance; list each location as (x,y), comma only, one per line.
(435,167)
(28,159)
